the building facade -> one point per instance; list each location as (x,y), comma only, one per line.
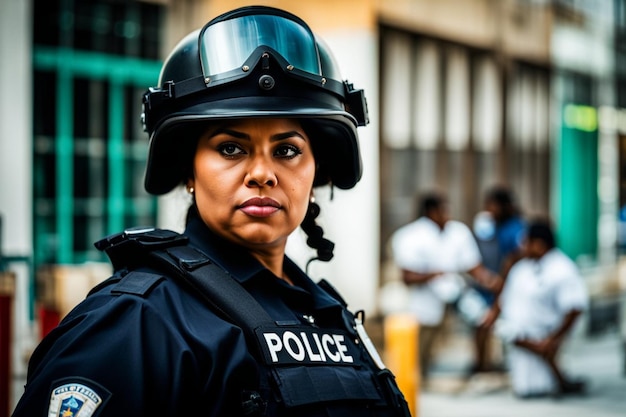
(462,94)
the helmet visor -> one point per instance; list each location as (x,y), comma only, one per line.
(226,44)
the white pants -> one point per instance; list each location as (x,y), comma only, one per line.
(529,373)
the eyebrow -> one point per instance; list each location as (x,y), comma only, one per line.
(241,135)
(287,135)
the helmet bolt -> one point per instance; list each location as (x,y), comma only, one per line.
(266,82)
(290,67)
(245,68)
(207,80)
(323,81)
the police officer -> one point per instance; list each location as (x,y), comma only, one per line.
(250,115)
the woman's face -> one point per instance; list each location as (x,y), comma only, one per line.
(253,180)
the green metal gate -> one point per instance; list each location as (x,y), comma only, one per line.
(91,62)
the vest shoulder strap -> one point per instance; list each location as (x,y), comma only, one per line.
(170,252)
(137,283)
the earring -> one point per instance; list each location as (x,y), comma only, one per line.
(313,209)
(190,189)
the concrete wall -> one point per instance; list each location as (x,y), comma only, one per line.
(15,127)
(521,28)
(16,166)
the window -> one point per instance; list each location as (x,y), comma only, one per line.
(449,121)
(92,62)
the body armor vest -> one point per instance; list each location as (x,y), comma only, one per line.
(304,370)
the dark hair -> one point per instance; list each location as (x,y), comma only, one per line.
(541,228)
(502,196)
(429,201)
(186,151)
(322,151)
(315,234)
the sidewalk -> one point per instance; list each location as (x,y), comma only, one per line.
(597,359)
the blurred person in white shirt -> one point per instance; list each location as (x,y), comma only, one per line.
(432,252)
(543,296)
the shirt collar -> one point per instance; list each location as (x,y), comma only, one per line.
(430,223)
(231,257)
(243,266)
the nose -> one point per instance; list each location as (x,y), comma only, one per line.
(261,172)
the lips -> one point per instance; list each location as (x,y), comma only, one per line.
(260,207)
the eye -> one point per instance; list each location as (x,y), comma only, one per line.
(287,151)
(230,149)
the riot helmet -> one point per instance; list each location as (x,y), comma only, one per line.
(253,61)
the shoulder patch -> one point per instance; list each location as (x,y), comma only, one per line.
(76,397)
(137,283)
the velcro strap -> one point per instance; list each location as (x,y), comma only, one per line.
(137,283)
(187,257)
(300,386)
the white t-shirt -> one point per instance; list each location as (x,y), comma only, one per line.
(421,246)
(537,295)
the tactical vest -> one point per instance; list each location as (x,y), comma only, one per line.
(304,370)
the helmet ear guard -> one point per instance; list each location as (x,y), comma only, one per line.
(264,85)
(356,104)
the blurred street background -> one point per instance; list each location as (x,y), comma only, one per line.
(462,95)
(595,359)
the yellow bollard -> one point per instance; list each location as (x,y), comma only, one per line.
(401,351)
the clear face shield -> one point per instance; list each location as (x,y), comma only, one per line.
(248,37)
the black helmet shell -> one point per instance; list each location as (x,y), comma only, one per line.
(265,85)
